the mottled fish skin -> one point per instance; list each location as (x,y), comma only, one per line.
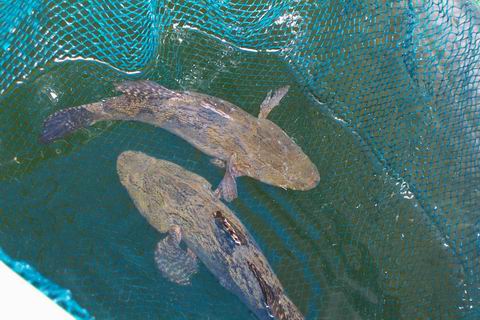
(168,195)
(216,127)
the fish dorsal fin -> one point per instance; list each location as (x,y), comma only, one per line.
(144,88)
(233,232)
(271,295)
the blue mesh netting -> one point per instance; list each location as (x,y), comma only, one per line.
(61,296)
(384,100)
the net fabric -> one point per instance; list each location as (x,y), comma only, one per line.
(61,296)
(384,100)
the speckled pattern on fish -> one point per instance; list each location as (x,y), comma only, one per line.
(250,146)
(182,204)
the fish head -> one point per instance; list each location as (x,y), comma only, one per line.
(281,162)
(147,183)
(298,171)
(161,190)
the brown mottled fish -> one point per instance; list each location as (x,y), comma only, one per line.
(245,145)
(180,203)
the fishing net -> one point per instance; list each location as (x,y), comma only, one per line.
(384,99)
(61,296)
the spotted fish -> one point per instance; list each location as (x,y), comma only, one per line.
(181,204)
(243,144)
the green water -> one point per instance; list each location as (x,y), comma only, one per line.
(354,247)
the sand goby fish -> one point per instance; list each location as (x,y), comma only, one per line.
(241,143)
(181,204)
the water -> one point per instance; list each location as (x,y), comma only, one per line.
(357,246)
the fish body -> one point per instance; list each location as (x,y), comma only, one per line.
(250,146)
(180,203)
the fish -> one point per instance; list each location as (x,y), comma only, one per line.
(242,144)
(182,205)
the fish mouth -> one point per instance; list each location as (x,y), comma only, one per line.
(312,180)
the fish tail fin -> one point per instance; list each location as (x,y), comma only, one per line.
(65,122)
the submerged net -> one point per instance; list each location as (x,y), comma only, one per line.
(61,296)
(384,100)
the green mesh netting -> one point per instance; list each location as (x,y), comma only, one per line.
(384,100)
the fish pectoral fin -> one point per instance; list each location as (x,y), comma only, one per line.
(227,189)
(175,264)
(271,101)
(144,88)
